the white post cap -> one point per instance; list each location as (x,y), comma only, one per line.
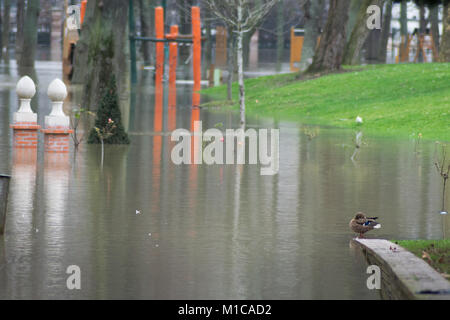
(57,92)
(25,89)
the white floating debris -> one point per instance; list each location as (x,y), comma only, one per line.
(444,213)
(138,212)
(378,226)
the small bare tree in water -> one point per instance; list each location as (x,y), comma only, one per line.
(76,117)
(104,134)
(241,16)
(442,164)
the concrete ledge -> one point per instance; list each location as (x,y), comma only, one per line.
(404,276)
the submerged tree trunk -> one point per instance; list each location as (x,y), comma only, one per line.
(359,34)
(313,16)
(146,29)
(444,51)
(329,54)
(102,51)
(382,55)
(5,31)
(19,22)
(26,61)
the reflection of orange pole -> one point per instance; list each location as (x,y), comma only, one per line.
(159,30)
(159,99)
(82,11)
(157,145)
(196,142)
(197,48)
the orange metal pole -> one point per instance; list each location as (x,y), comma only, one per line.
(83,11)
(173,54)
(197,48)
(159,30)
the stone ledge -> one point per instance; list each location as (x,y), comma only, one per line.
(404,276)
(25,126)
(56,131)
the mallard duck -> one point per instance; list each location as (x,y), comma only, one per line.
(361,224)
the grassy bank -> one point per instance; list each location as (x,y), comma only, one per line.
(435,252)
(392,99)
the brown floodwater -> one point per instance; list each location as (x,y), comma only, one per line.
(204,232)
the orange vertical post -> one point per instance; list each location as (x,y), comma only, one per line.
(159,30)
(83,11)
(197,48)
(173,61)
(173,54)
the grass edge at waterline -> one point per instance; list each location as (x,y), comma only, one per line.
(392,100)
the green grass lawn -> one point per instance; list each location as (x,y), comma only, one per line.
(435,252)
(401,100)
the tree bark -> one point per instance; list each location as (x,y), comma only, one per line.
(434,20)
(19,34)
(355,7)
(444,51)
(422,31)
(209,43)
(359,34)
(240,63)
(313,16)
(330,52)
(146,29)
(103,50)
(26,61)
(6,30)
(280,36)
(382,55)
(230,63)
(403,29)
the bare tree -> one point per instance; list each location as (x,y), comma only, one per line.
(442,164)
(242,16)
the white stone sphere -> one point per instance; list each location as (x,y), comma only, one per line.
(26,89)
(57,91)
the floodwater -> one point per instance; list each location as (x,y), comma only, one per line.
(204,232)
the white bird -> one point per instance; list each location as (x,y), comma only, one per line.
(359,120)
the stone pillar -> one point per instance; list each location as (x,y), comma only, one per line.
(25,121)
(57,125)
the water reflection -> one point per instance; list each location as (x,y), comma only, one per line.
(222,232)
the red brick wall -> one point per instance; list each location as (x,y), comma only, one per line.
(57,143)
(25,135)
